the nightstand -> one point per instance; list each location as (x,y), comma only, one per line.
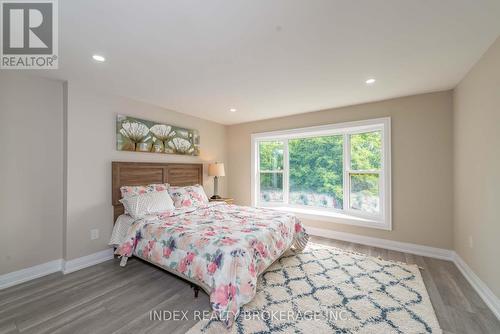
(222,199)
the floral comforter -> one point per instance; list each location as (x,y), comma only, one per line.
(223,246)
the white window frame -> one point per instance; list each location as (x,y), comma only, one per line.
(343,216)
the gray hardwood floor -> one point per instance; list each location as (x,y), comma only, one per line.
(106,298)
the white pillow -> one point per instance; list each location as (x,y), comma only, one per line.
(146,204)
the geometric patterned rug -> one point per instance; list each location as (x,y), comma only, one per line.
(329,290)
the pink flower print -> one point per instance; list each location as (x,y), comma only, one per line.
(126,249)
(251,269)
(190,257)
(209,233)
(182,266)
(212,267)
(167,251)
(186,202)
(280,244)
(228,241)
(223,294)
(145,251)
(298,228)
(198,272)
(261,249)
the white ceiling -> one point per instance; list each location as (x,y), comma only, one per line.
(271,58)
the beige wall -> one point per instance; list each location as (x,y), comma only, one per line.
(421,163)
(31,167)
(477,168)
(91,147)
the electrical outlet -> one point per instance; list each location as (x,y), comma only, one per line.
(471,242)
(94,234)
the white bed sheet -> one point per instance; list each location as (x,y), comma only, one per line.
(120,230)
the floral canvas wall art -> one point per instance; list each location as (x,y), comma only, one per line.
(133,134)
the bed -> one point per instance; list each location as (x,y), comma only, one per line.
(219,247)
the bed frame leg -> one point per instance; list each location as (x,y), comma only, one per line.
(196,290)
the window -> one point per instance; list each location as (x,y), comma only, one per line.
(340,172)
(316,171)
(271,171)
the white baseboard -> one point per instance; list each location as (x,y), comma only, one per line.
(438,253)
(27,274)
(490,299)
(87,261)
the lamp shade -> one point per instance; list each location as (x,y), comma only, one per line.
(216,169)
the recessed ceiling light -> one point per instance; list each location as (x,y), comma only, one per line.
(370,81)
(99,58)
(232,110)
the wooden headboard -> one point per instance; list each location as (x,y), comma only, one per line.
(144,173)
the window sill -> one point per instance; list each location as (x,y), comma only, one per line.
(333,217)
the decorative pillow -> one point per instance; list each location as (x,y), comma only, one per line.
(148,203)
(188,196)
(128,191)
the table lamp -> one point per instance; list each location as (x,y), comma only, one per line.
(216,170)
